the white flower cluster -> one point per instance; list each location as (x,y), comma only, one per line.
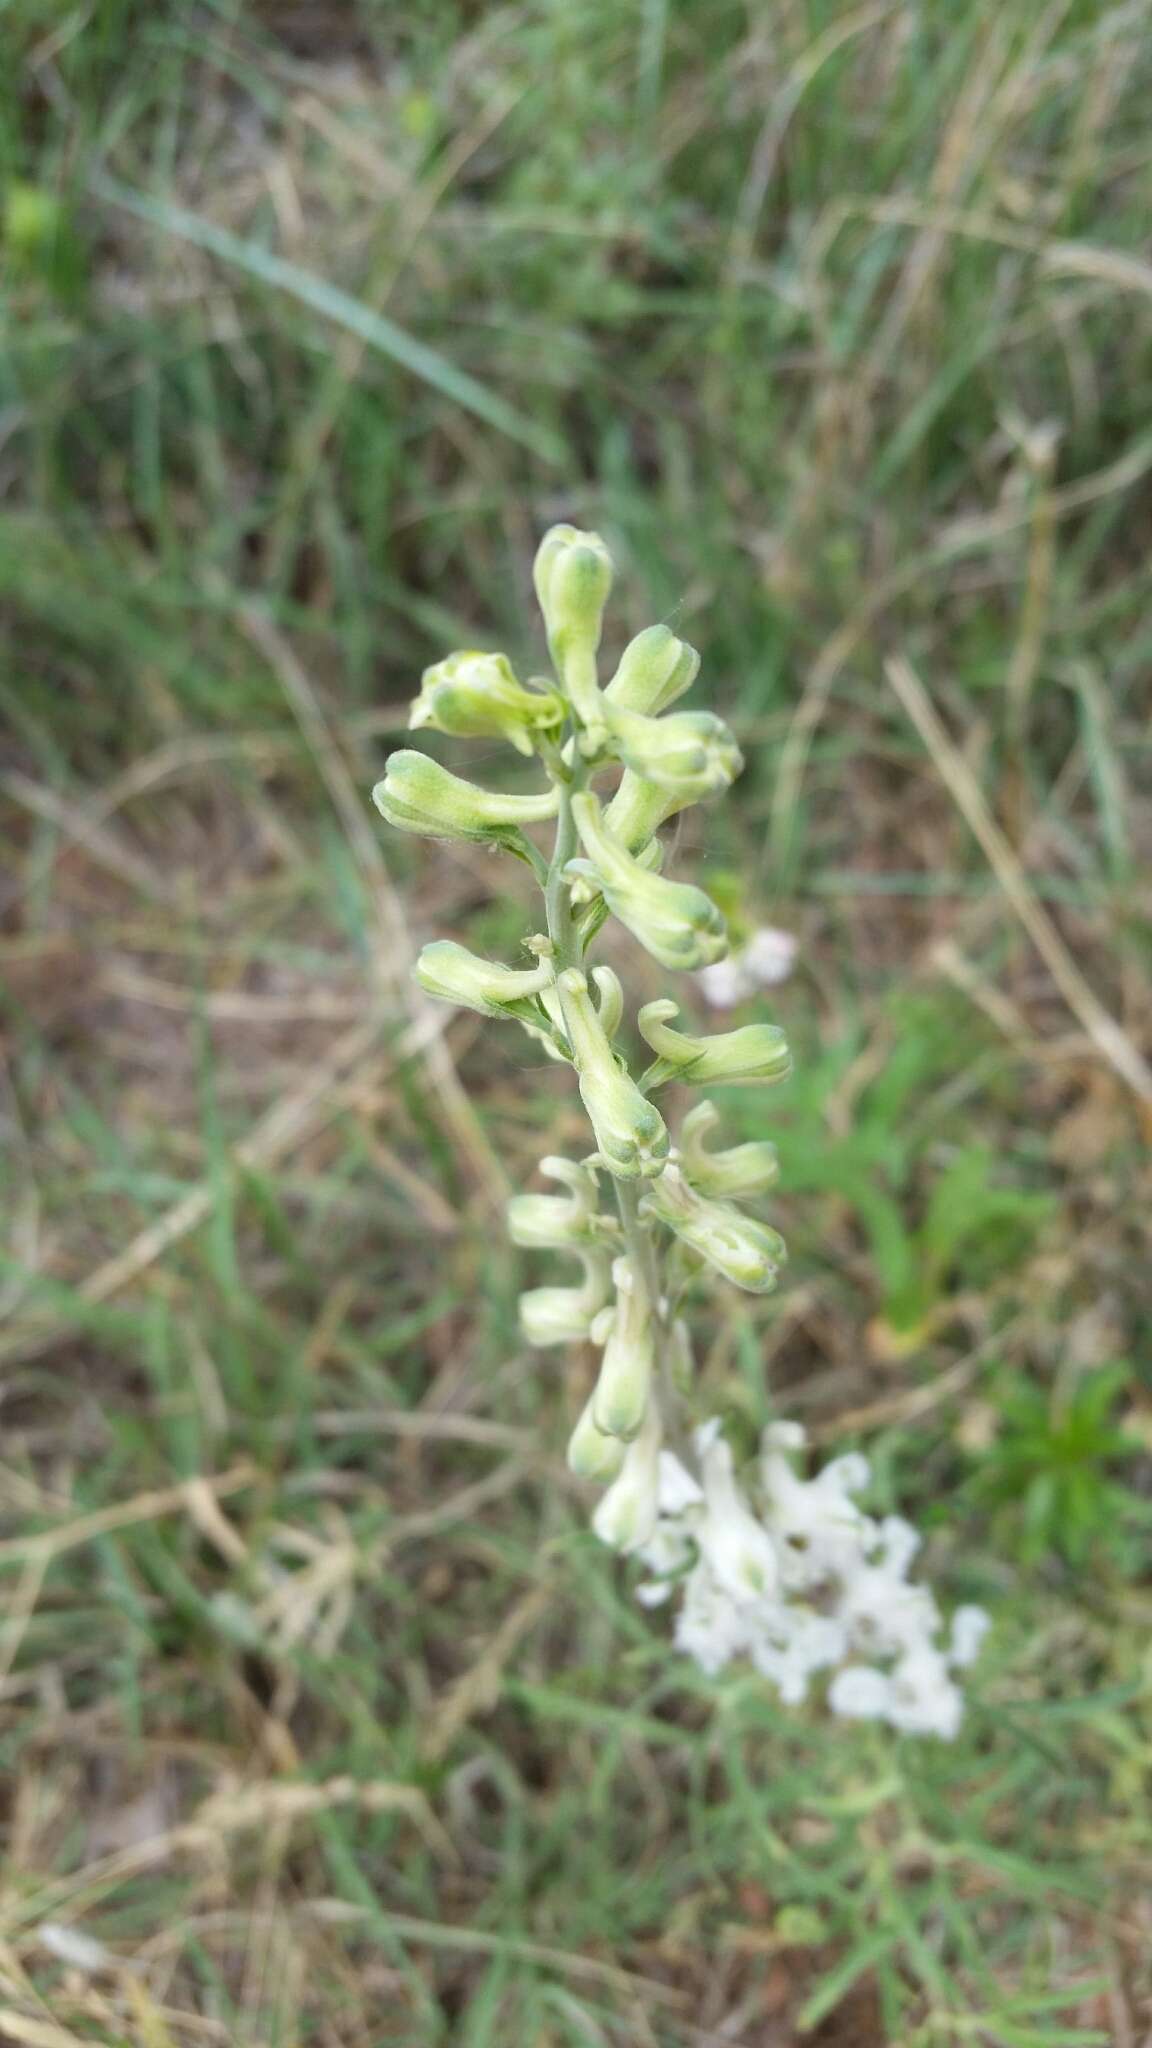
(808,1584)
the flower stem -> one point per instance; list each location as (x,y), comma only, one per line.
(557,902)
(567,952)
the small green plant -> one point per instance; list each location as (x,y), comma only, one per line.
(930,1249)
(1050,1476)
(787,1571)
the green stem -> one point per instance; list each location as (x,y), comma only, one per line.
(638,1241)
(557,902)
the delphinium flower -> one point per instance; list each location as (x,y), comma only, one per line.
(769,1565)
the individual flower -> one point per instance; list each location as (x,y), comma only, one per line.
(917,1697)
(675,922)
(746,1252)
(692,754)
(755,1052)
(819,1529)
(454,975)
(546,1222)
(654,669)
(567,1315)
(711,1627)
(472,694)
(737,1548)
(592,1452)
(418,795)
(884,1613)
(573,576)
(620,1398)
(629,1129)
(730,1175)
(625,1518)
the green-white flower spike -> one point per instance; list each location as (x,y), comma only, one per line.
(674,921)
(690,753)
(418,795)
(754,1052)
(626,1516)
(746,1252)
(565,1315)
(730,1175)
(472,695)
(573,576)
(551,1222)
(625,1380)
(454,975)
(630,1132)
(592,1453)
(655,668)
(677,1208)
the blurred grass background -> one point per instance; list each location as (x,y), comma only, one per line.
(323,1719)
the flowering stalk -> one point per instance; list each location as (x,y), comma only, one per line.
(788,1572)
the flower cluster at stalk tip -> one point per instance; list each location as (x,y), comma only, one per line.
(796,1578)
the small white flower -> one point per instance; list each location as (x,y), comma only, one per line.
(819,1530)
(770,956)
(922,1698)
(789,1643)
(678,1489)
(764,962)
(970,1625)
(860,1693)
(737,1547)
(722,985)
(711,1626)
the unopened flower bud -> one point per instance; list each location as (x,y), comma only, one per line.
(738,1550)
(592,1453)
(746,1252)
(655,668)
(630,1132)
(622,1389)
(565,1315)
(573,576)
(690,753)
(674,921)
(540,1222)
(418,795)
(454,975)
(626,1517)
(739,1171)
(754,1052)
(472,694)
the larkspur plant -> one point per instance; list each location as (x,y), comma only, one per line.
(787,1571)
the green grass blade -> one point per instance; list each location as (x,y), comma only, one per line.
(335,305)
